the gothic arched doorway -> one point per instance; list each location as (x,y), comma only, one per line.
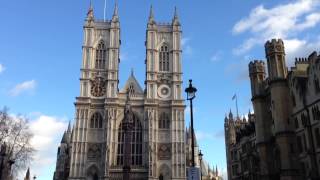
(165,173)
(161,177)
(92,173)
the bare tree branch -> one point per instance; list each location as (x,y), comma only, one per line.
(16,135)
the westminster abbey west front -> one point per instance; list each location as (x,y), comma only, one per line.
(94,149)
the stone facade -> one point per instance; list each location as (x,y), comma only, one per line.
(63,156)
(285,142)
(94,148)
(241,151)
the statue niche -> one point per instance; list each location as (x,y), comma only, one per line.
(164,152)
(94,151)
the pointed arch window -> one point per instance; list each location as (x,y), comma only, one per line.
(100,56)
(164,122)
(131,90)
(164,58)
(96,120)
(136,144)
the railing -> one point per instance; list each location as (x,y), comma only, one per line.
(102,21)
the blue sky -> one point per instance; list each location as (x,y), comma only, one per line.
(40,58)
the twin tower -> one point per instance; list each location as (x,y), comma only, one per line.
(96,147)
(275,138)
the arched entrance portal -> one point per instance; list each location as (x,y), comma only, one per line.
(92,173)
(161,177)
(164,172)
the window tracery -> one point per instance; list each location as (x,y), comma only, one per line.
(96,120)
(164,122)
(100,56)
(164,58)
(136,143)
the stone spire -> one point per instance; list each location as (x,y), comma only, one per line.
(69,127)
(27,177)
(151,16)
(64,137)
(175,20)
(217,173)
(90,15)
(225,118)
(230,115)
(115,16)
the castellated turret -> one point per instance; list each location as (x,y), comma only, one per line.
(280,104)
(275,55)
(257,75)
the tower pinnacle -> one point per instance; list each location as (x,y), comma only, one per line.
(230,115)
(69,127)
(115,11)
(175,20)
(115,16)
(27,177)
(90,15)
(151,15)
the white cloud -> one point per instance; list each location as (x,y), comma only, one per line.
(184,41)
(187,49)
(284,21)
(2,68)
(300,48)
(203,135)
(216,56)
(223,172)
(26,86)
(123,56)
(47,131)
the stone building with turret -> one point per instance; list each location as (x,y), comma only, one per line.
(240,143)
(286,137)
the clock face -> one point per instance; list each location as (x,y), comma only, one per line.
(98,88)
(164,91)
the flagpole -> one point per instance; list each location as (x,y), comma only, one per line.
(237,106)
(104,10)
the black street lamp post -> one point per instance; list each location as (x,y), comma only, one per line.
(200,158)
(191,94)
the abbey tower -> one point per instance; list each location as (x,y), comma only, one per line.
(94,148)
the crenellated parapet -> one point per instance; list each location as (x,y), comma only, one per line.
(274,46)
(275,54)
(257,74)
(301,60)
(257,67)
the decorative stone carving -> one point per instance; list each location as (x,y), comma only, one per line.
(164,78)
(164,91)
(94,151)
(98,87)
(164,151)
